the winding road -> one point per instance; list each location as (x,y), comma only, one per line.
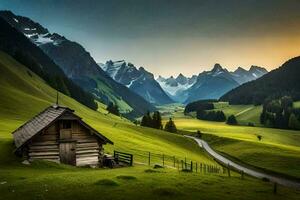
(251,172)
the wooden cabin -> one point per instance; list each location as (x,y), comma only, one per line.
(57,134)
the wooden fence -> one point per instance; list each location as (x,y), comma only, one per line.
(182,164)
(123,157)
(151,159)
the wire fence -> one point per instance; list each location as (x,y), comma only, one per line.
(182,164)
(176,162)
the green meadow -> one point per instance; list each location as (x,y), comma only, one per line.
(278,151)
(243,113)
(23,95)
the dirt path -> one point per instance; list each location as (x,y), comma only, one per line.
(251,172)
(243,111)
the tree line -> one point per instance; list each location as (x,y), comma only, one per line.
(280,113)
(217,116)
(199,105)
(155,121)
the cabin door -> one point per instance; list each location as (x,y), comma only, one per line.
(67,151)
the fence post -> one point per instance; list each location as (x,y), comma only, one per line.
(185,163)
(192,166)
(200,167)
(275,188)
(149,159)
(178,164)
(228,169)
(196,167)
(174,161)
(131,160)
(163,159)
(242,174)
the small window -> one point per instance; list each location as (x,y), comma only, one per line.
(67,124)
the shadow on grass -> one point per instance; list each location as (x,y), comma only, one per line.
(107,182)
(166,191)
(125,177)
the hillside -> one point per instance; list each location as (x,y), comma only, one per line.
(23,94)
(138,80)
(17,45)
(282,81)
(278,150)
(79,66)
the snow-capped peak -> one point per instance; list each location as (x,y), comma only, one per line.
(32,30)
(174,85)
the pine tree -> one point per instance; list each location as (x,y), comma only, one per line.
(146,120)
(231,120)
(170,126)
(156,120)
(114,109)
(294,123)
(199,134)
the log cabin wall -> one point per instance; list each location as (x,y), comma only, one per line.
(46,146)
(87,145)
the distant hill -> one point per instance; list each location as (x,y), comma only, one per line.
(138,80)
(79,66)
(18,46)
(282,81)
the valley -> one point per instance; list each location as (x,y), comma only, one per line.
(46,180)
(146,113)
(278,150)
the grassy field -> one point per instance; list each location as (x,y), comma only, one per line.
(131,183)
(23,94)
(243,113)
(279,150)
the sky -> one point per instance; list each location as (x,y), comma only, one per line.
(168,37)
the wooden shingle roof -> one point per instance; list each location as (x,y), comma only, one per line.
(41,121)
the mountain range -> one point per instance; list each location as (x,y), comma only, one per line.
(208,84)
(134,90)
(79,66)
(138,80)
(283,81)
(176,87)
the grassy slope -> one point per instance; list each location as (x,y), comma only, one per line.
(23,95)
(243,113)
(106,184)
(279,150)
(123,106)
